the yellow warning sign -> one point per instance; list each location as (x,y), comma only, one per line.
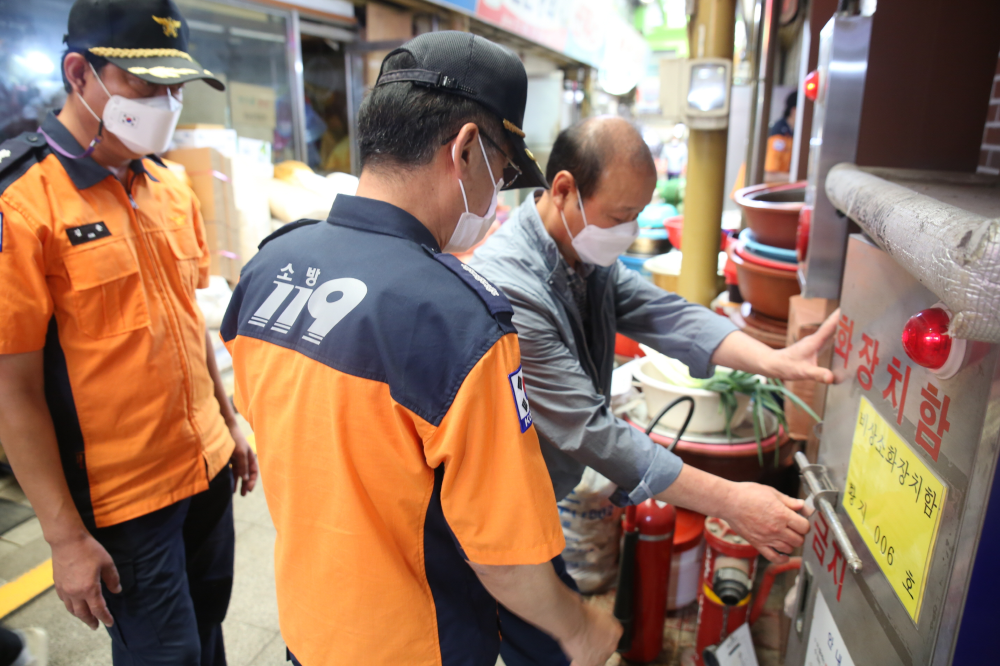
(895,502)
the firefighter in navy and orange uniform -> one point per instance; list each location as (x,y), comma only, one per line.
(114,417)
(382,380)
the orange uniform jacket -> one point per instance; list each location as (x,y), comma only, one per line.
(382,380)
(778,158)
(103,280)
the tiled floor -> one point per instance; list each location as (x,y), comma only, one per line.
(251,627)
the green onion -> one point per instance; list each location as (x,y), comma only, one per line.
(763,395)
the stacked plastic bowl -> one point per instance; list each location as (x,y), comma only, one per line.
(765,258)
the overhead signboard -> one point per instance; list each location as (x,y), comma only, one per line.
(590,31)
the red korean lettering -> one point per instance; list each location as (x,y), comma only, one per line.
(896,374)
(932,412)
(869,352)
(845,333)
(819,545)
(838,581)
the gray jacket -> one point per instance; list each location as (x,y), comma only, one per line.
(568,380)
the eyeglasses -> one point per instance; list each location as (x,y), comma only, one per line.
(510,170)
(149,89)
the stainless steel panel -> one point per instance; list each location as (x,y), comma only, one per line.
(879,297)
(843,64)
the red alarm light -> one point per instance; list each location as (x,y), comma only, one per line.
(812,85)
(927,342)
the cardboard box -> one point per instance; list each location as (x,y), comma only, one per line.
(805,316)
(203,104)
(253,107)
(383,23)
(211,179)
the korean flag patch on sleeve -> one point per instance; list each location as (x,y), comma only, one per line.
(516,379)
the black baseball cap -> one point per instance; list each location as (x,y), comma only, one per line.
(473,67)
(147,38)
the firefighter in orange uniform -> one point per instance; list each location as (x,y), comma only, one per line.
(114,417)
(778,159)
(382,379)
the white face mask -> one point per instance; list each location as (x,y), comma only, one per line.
(602,247)
(472,228)
(145,125)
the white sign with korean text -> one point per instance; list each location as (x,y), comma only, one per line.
(737,649)
(826,647)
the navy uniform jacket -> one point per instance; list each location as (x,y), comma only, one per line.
(382,381)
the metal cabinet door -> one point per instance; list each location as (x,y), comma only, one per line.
(872,625)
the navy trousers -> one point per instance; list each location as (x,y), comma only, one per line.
(176,570)
(522,644)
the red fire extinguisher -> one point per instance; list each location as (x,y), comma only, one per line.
(651,525)
(644,572)
(726,582)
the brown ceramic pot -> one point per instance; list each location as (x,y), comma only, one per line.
(773,211)
(736,462)
(767,289)
(772,332)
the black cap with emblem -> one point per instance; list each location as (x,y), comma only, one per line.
(473,67)
(147,38)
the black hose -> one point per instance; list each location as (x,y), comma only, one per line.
(687,420)
(625,593)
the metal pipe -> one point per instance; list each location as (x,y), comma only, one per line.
(755,31)
(820,491)
(770,23)
(711,36)
(297,89)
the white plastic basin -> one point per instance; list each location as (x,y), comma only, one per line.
(709,417)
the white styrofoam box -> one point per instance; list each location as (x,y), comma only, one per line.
(223,140)
(256,151)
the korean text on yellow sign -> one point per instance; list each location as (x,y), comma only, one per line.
(895,502)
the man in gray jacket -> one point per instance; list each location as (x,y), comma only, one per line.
(556,260)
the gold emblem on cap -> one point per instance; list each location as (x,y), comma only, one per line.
(530,156)
(169,25)
(511,127)
(162,72)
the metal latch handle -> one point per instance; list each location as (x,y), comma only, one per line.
(823,492)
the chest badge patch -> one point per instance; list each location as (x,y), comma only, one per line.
(87,232)
(516,379)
